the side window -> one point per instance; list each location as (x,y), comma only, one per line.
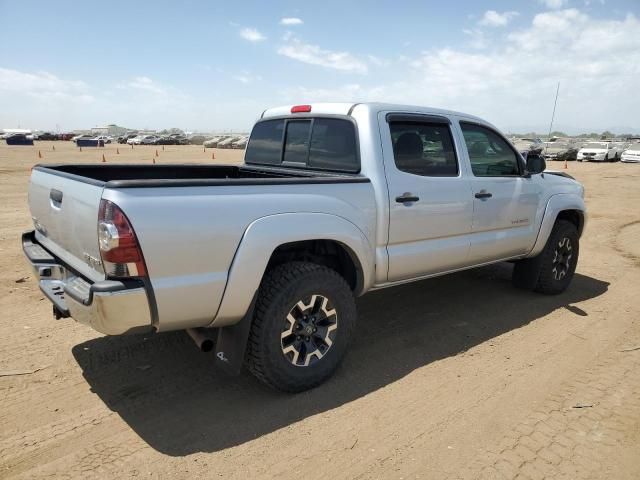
(489,153)
(265,144)
(424,149)
(296,143)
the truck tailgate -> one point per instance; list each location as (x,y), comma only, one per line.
(65,216)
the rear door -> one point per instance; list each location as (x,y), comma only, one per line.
(430,210)
(65,216)
(505,202)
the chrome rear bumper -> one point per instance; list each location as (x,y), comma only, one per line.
(110,307)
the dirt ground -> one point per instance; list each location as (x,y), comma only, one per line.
(456,377)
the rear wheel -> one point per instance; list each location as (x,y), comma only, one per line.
(552,270)
(304,320)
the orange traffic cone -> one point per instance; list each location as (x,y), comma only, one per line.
(53,147)
(213,156)
(565,164)
(204,149)
(132,146)
(153,160)
(157,152)
(104,160)
(39,154)
(117,151)
(80,148)
(163,148)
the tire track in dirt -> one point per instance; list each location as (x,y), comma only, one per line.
(576,433)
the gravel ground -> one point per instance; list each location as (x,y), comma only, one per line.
(456,377)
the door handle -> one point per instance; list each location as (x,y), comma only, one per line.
(55,196)
(407,197)
(483,194)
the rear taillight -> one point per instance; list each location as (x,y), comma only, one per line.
(119,247)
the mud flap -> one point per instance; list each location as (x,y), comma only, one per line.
(231,344)
(526,272)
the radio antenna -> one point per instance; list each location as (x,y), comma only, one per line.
(552,117)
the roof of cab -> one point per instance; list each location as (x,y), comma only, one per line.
(347,108)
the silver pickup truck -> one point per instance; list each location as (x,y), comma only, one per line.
(262,261)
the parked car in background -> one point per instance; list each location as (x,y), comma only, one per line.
(45,136)
(168,140)
(242,143)
(197,139)
(65,136)
(213,142)
(84,135)
(560,151)
(105,138)
(599,152)
(127,137)
(534,145)
(19,139)
(148,139)
(180,139)
(631,154)
(226,143)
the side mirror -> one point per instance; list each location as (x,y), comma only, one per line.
(536,164)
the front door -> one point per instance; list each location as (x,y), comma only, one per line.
(505,202)
(430,203)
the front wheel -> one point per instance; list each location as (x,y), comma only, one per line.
(552,270)
(304,319)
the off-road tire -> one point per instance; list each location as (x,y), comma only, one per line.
(281,289)
(538,273)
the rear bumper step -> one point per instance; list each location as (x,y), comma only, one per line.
(110,307)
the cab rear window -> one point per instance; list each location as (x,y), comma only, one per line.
(315,143)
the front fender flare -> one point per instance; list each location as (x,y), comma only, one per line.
(266,234)
(555,205)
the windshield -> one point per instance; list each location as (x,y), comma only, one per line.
(595,145)
(635,146)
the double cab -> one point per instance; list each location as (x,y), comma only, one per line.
(261,262)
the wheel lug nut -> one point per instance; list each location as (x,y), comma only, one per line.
(315,330)
(307,339)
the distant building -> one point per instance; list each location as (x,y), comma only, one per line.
(112,129)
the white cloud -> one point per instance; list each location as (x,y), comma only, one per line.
(43,85)
(314,55)
(477,38)
(252,35)
(554,4)
(145,84)
(378,61)
(352,92)
(491,18)
(513,83)
(291,21)
(246,78)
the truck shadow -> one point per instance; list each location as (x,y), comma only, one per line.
(172,397)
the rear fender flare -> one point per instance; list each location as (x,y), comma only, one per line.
(261,239)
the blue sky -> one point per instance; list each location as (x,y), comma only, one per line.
(217,65)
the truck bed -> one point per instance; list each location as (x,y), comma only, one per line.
(181,175)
